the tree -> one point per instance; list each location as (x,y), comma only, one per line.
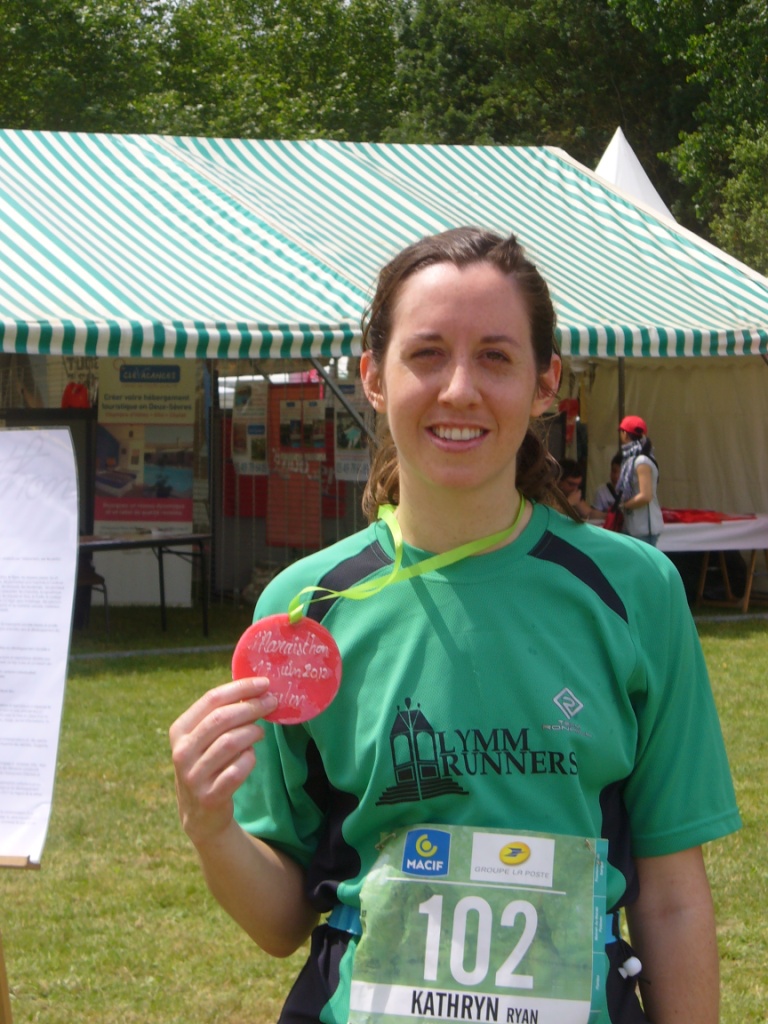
(686,80)
(75,66)
(741,225)
(282,68)
(537,72)
(720,157)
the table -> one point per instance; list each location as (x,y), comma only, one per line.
(728,535)
(160,543)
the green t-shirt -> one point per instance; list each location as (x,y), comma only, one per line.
(554,685)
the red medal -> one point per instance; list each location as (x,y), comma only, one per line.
(301,661)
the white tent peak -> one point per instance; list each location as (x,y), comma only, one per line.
(619,166)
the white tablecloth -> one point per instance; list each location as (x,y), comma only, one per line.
(728,535)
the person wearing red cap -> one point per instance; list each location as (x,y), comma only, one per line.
(638,482)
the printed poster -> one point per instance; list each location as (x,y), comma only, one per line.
(249,428)
(313,428)
(145,442)
(294,499)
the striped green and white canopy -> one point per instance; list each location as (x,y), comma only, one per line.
(157,246)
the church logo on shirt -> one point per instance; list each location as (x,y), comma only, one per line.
(416,760)
(428,762)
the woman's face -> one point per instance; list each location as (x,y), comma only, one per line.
(459,382)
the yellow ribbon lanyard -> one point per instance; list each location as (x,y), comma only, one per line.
(369,588)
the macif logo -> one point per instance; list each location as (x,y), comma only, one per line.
(426,852)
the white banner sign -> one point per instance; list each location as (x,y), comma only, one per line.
(38,562)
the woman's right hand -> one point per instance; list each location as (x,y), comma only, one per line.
(212,747)
(261,887)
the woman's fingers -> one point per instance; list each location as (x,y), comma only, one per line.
(219,726)
(239,690)
(212,747)
(201,764)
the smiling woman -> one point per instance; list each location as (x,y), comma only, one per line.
(471,307)
(459,384)
(524,741)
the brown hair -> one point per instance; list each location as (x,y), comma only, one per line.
(537,470)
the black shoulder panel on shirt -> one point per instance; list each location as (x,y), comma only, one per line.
(554,549)
(334,860)
(346,574)
(616,829)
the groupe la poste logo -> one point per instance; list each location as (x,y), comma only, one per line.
(523,860)
(426,852)
(516,852)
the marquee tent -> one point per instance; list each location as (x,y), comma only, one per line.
(705,416)
(619,166)
(157,246)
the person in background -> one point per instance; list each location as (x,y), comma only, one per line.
(571,484)
(461,709)
(605,495)
(638,482)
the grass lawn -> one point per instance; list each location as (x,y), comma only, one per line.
(117,926)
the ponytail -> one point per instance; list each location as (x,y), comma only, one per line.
(383,484)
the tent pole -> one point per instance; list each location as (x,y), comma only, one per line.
(621,388)
(343,399)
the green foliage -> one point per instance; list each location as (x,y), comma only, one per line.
(722,49)
(538,72)
(287,69)
(74,66)
(741,226)
(685,79)
(282,68)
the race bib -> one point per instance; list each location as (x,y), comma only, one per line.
(473,924)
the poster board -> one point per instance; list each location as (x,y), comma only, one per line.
(352,454)
(145,444)
(296,452)
(38,567)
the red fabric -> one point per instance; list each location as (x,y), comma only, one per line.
(570,406)
(242,495)
(698,515)
(614,521)
(294,496)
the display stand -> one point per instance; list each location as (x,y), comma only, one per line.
(5,1014)
(5,995)
(6,1017)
